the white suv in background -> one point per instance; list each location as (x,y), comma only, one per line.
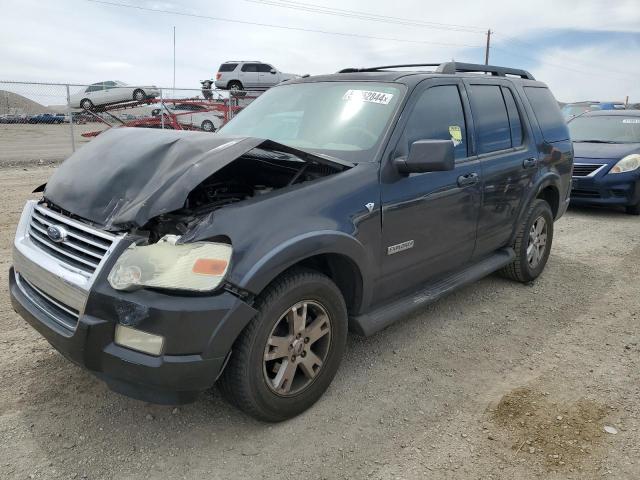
(249,75)
(105,93)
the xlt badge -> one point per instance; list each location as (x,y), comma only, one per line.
(399,247)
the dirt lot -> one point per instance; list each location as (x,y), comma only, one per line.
(25,144)
(499,380)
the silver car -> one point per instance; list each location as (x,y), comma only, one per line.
(249,75)
(109,92)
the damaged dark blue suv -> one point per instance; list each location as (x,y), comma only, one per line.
(164,261)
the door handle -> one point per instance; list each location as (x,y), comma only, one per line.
(529,162)
(468,179)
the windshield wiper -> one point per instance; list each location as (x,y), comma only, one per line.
(594,141)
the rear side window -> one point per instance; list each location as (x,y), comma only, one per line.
(547,113)
(490,118)
(227,67)
(515,121)
(249,67)
(437,115)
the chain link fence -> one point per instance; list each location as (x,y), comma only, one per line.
(45,122)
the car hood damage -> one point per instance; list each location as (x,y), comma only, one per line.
(128,176)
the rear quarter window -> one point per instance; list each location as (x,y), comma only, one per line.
(548,114)
(227,67)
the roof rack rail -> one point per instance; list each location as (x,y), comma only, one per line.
(451,68)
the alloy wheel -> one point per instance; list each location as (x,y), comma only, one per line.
(297,347)
(537,242)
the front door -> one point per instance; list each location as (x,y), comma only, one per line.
(508,157)
(429,219)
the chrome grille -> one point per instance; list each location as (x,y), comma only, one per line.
(585,169)
(64,315)
(84,246)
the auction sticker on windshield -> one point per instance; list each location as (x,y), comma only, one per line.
(368,96)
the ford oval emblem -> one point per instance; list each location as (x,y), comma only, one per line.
(56,234)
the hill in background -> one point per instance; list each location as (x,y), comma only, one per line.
(12,103)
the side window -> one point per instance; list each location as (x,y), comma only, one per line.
(490,118)
(548,114)
(437,115)
(515,122)
(264,68)
(249,67)
(94,88)
(108,85)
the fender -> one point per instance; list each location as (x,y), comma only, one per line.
(548,179)
(305,246)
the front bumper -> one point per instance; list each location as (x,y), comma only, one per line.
(621,189)
(199,331)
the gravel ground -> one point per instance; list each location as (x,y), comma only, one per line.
(498,380)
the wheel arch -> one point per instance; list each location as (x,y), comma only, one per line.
(337,255)
(547,189)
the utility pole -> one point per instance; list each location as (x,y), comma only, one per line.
(486,52)
(174,57)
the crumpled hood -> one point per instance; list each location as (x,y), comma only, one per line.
(604,151)
(127,176)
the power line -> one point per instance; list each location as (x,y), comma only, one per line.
(563,57)
(555,65)
(282,27)
(315,8)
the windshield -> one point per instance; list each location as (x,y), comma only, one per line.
(570,111)
(341,119)
(607,129)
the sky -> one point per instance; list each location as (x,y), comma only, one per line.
(584,50)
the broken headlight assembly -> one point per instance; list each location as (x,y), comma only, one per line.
(199,266)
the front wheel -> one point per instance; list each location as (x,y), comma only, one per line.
(532,244)
(287,356)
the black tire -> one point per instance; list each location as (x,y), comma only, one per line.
(208,126)
(86,104)
(235,85)
(139,95)
(521,269)
(633,209)
(244,380)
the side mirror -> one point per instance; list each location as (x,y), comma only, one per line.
(273,71)
(427,156)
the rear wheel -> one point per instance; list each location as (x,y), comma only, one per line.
(287,356)
(234,86)
(139,95)
(86,104)
(633,209)
(532,244)
(208,126)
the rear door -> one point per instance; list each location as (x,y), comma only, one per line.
(429,219)
(508,157)
(249,75)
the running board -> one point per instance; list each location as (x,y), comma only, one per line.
(374,321)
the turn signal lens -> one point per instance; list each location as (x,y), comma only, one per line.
(209,266)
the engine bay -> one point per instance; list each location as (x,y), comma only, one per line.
(256,173)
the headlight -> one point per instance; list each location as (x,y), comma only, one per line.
(628,163)
(199,266)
